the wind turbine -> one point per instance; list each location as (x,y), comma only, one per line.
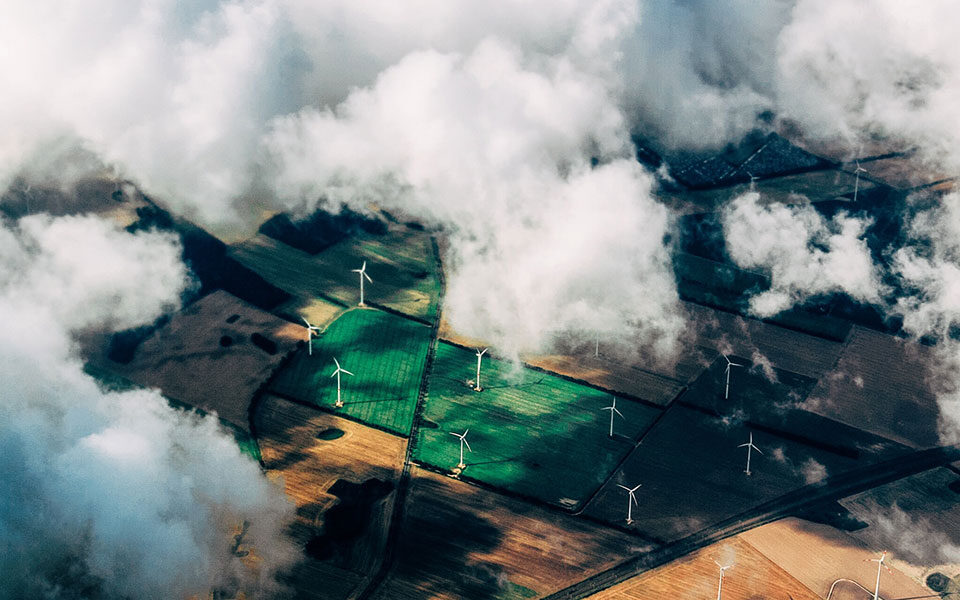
(363,273)
(753,181)
(631,500)
(463,440)
(856,183)
(726,393)
(480,354)
(312,330)
(880,566)
(613,409)
(749,446)
(723,570)
(337,373)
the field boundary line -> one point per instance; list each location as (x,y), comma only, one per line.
(387,559)
(789,504)
(571,379)
(329,411)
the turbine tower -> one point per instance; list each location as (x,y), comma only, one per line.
(613,409)
(363,273)
(631,500)
(312,330)
(880,566)
(726,393)
(480,354)
(723,570)
(749,446)
(463,441)
(856,183)
(339,370)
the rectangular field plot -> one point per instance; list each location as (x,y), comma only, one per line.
(401,264)
(532,433)
(752,576)
(692,473)
(386,355)
(774,401)
(460,541)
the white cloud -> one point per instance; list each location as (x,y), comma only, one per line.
(804,253)
(111,491)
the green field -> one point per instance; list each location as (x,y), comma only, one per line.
(401,263)
(532,433)
(386,354)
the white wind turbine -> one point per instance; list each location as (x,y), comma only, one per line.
(363,273)
(337,373)
(631,500)
(749,446)
(613,409)
(723,569)
(856,182)
(726,392)
(880,566)
(480,354)
(463,441)
(312,330)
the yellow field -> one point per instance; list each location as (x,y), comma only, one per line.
(753,576)
(309,466)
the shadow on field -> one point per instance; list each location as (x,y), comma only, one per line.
(349,518)
(438,548)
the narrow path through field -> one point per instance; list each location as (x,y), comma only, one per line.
(403,484)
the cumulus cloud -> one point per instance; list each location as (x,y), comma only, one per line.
(804,253)
(856,72)
(112,493)
(541,239)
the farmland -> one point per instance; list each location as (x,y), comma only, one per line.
(817,555)
(207,356)
(753,576)
(300,445)
(692,474)
(401,264)
(459,541)
(915,518)
(386,355)
(532,433)
(878,370)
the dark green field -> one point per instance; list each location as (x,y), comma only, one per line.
(531,433)
(401,263)
(385,353)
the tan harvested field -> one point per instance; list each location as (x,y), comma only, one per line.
(459,541)
(879,385)
(752,577)
(817,555)
(912,518)
(309,466)
(901,172)
(186,360)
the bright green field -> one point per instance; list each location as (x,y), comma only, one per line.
(386,354)
(531,433)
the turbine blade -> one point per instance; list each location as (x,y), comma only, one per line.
(336,362)
(623,486)
(634,499)
(639,485)
(346,371)
(454,434)
(619,413)
(467,444)
(364,267)
(334,372)
(757,449)
(466,432)
(307,322)
(368,277)
(744,445)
